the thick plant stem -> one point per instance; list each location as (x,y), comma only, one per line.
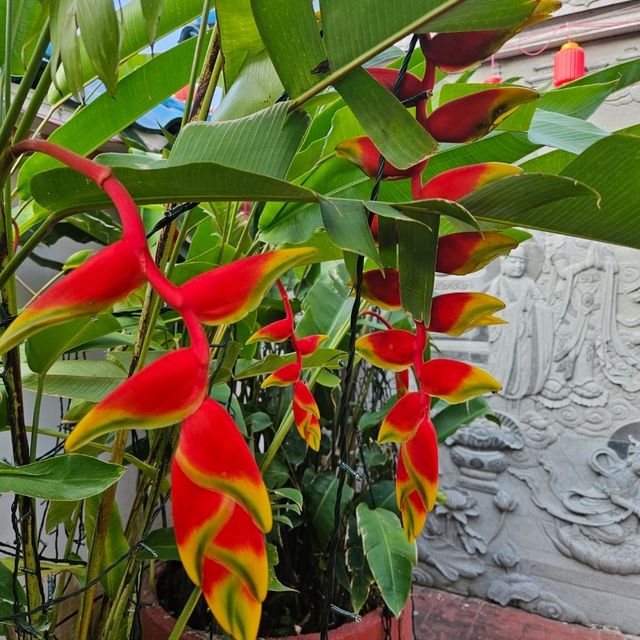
(187,610)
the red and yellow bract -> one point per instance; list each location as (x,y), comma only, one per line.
(382,288)
(455,381)
(404,418)
(463,253)
(392,349)
(455,313)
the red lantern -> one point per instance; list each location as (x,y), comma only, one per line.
(568,64)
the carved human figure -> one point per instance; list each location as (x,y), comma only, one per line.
(520,351)
(587,341)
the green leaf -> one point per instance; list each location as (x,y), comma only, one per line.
(577,102)
(73,476)
(107,115)
(27,20)
(8,592)
(162,543)
(151,10)
(320,492)
(390,556)
(115,544)
(624,74)
(81,379)
(263,143)
(274,560)
(329,358)
(100,34)
(563,132)
(290,32)
(454,416)
(416,263)
(361,576)
(395,132)
(58,512)
(45,347)
(347,226)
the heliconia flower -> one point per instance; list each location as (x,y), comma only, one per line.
(470,117)
(308,344)
(402,383)
(412,509)
(303,398)
(283,376)
(198,514)
(463,253)
(391,349)
(306,414)
(163,393)
(455,381)
(420,457)
(410,86)
(457,183)
(363,153)
(228,293)
(406,415)
(274,332)
(455,313)
(230,601)
(105,278)
(239,546)
(382,288)
(213,454)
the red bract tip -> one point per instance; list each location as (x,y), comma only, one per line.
(455,313)
(382,288)
(459,50)
(306,414)
(459,182)
(420,457)
(308,344)
(455,381)
(462,253)
(228,293)
(409,87)
(391,349)
(163,393)
(470,117)
(213,453)
(274,332)
(363,153)
(283,376)
(405,417)
(107,277)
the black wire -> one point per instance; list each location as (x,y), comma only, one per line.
(348,383)
(172,213)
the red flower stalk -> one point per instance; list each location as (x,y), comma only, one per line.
(466,252)
(459,182)
(455,313)
(471,117)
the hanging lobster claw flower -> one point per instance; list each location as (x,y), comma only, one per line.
(283,376)
(363,153)
(107,277)
(455,313)
(163,393)
(198,514)
(463,253)
(239,546)
(410,86)
(213,454)
(402,383)
(308,344)
(420,457)
(390,349)
(471,117)
(382,288)
(230,601)
(274,332)
(412,509)
(401,422)
(306,414)
(227,294)
(459,182)
(455,381)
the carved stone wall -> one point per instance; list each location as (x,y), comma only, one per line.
(544,511)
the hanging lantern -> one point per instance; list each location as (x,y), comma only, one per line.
(568,64)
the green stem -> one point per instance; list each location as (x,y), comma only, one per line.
(37,98)
(36,417)
(186,613)
(213,82)
(287,422)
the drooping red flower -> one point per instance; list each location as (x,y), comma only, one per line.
(274,332)
(412,509)
(409,87)
(306,415)
(470,117)
(308,344)
(463,253)
(104,279)
(228,293)
(455,313)
(285,375)
(391,349)
(382,288)
(420,457)
(455,381)
(163,393)
(364,154)
(404,418)
(459,182)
